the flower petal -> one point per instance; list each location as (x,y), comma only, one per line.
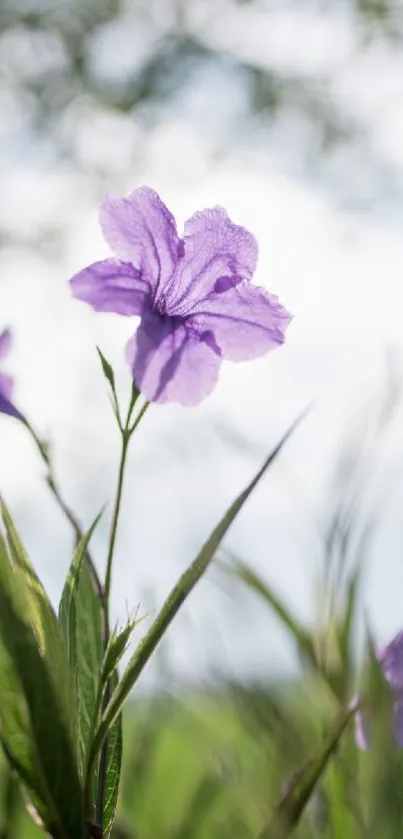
(217,254)
(171,363)
(141,230)
(6,385)
(391,660)
(111,286)
(5,343)
(6,406)
(245,320)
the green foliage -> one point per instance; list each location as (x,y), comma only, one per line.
(42,619)
(113,767)
(116,647)
(37,703)
(304,781)
(109,681)
(175,748)
(81,621)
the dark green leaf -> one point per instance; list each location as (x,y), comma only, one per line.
(11,800)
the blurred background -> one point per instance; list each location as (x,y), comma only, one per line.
(290,115)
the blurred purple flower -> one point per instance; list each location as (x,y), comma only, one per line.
(193,295)
(391,660)
(6,382)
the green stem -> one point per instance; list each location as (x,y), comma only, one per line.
(126,432)
(138,418)
(115,520)
(51,482)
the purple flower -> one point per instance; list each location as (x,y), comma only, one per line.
(391,661)
(6,382)
(193,295)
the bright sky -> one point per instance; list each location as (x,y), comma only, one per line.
(338,269)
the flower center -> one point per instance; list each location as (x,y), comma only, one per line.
(161,304)
(166,305)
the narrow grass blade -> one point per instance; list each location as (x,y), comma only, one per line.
(177,597)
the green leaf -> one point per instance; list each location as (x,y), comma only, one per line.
(302,784)
(117,645)
(11,801)
(16,732)
(114,767)
(35,732)
(176,598)
(43,621)
(81,618)
(67,606)
(109,680)
(341,793)
(107,369)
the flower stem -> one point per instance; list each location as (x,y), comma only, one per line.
(126,433)
(51,482)
(115,519)
(138,418)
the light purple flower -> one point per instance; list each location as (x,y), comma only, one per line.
(6,382)
(391,660)
(193,295)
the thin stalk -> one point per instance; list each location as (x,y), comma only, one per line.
(126,433)
(51,482)
(115,520)
(138,418)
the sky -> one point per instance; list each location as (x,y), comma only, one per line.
(331,247)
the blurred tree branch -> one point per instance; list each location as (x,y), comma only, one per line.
(52,72)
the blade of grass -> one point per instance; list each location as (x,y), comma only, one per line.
(177,597)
